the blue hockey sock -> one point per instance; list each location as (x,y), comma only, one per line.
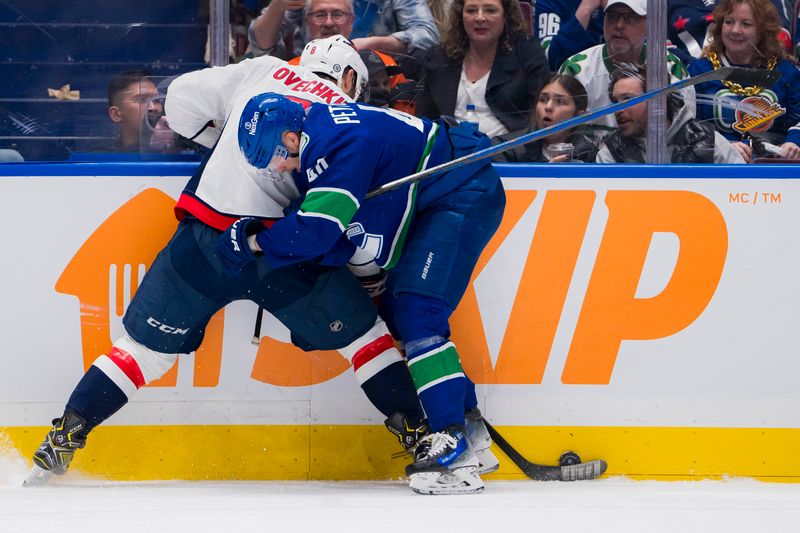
(470,398)
(96,398)
(440,381)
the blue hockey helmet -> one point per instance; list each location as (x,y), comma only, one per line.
(264,119)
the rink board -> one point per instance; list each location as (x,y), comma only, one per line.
(645,315)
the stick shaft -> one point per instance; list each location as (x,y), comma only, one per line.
(490,151)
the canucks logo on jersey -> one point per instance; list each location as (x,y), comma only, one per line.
(754,113)
(369,245)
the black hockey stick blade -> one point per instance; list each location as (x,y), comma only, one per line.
(537,472)
(742,76)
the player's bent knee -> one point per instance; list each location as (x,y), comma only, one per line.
(372,353)
(132,365)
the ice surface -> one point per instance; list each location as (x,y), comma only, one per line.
(76,503)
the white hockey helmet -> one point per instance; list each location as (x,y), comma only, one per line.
(331,56)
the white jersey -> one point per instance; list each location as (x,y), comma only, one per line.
(226,187)
(592,68)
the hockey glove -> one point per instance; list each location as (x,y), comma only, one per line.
(466,139)
(233,248)
(375,285)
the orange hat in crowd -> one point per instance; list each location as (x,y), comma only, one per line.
(379,62)
(376,63)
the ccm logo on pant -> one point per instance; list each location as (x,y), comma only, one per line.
(165,328)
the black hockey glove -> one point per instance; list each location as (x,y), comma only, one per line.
(233,248)
(375,285)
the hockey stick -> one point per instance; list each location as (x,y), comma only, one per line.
(537,472)
(257,329)
(742,76)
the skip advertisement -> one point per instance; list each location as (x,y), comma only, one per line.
(646,321)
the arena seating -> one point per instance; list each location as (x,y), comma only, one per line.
(48,43)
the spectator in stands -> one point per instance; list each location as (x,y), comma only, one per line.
(562,97)
(388,87)
(565,27)
(488,60)
(689,25)
(745,34)
(136,109)
(380,77)
(404,27)
(688,139)
(624,29)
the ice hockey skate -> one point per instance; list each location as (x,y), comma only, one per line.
(409,434)
(481,442)
(56,451)
(447,466)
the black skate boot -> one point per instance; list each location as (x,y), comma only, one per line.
(409,434)
(448,464)
(481,441)
(56,451)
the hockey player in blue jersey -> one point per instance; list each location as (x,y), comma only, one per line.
(428,236)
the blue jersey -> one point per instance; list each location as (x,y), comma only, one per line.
(346,151)
(687,25)
(785,93)
(560,33)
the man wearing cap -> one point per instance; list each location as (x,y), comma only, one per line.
(624,30)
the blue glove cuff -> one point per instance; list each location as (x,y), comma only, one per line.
(233,248)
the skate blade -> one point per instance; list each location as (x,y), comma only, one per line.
(37,476)
(459,481)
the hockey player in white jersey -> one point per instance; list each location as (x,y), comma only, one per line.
(185,286)
(198,104)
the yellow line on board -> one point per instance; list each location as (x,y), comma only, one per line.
(340,452)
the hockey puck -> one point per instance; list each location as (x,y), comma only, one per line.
(569,458)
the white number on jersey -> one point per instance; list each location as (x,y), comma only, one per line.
(319,167)
(549,24)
